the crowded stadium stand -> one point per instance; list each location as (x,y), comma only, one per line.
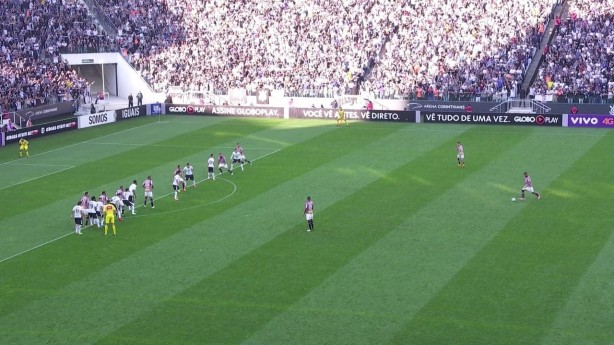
(579,62)
(448,50)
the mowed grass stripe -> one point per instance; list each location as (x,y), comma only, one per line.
(587,316)
(263,218)
(511,290)
(374,294)
(106,298)
(93,163)
(237,301)
(24,229)
(40,225)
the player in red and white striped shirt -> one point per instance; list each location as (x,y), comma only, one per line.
(148,186)
(528,186)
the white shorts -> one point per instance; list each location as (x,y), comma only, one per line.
(149,194)
(309,216)
(460,156)
(528,189)
(220,166)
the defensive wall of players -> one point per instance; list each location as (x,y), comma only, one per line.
(425,112)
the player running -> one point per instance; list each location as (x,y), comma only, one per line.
(528,186)
(221,163)
(180,172)
(236,158)
(238,147)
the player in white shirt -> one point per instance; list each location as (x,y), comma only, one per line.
(236,158)
(188,172)
(91,212)
(177,181)
(77,214)
(126,201)
(119,205)
(132,190)
(98,209)
(211,168)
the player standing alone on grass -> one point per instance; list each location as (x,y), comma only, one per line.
(460,154)
(77,215)
(528,186)
(211,167)
(308,212)
(188,171)
(23,147)
(148,186)
(341,117)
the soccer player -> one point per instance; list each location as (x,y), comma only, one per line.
(236,158)
(308,212)
(132,190)
(98,208)
(109,217)
(179,171)
(103,198)
(126,200)
(528,186)
(211,167)
(148,185)
(177,179)
(91,212)
(188,172)
(341,117)
(460,154)
(85,203)
(221,163)
(23,147)
(77,214)
(117,202)
(243,154)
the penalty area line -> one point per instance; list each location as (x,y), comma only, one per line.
(88,226)
(36,178)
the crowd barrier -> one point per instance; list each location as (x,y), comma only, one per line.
(443,114)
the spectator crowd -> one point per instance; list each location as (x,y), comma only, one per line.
(579,62)
(449,50)
(32,37)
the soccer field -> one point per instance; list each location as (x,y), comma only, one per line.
(408,248)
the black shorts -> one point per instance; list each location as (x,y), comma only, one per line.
(78,221)
(127,202)
(175,187)
(210,169)
(236,161)
(98,214)
(131,198)
(189,177)
(92,215)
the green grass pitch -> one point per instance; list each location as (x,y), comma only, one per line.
(408,248)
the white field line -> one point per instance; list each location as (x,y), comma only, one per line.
(85,227)
(36,178)
(41,165)
(183,146)
(77,144)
